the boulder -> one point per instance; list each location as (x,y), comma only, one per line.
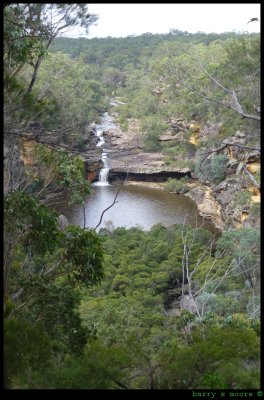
(63,222)
(91,176)
(240,134)
(253,156)
(208,208)
(253,167)
(207,204)
(219,188)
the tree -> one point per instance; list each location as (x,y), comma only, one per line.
(43,270)
(179,72)
(31,233)
(214,358)
(36,25)
(244,246)
(56,169)
(236,257)
(29,30)
(213,170)
(27,347)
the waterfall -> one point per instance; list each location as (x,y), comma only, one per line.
(103,176)
(106,125)
(99,134)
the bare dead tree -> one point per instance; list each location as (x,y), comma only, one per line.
(215,275)
(187,250)
(111,205)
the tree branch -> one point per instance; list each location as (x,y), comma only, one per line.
(118,383)
(114,202)
(251,177)
(213,79)
(237,108)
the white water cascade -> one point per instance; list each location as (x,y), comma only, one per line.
(103,176)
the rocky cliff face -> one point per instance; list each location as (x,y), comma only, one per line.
(208,206)
(92,168)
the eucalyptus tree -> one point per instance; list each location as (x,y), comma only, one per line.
(30,28)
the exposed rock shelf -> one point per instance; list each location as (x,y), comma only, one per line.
(160,176)
(144,163)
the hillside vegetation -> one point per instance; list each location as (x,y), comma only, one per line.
(168,308)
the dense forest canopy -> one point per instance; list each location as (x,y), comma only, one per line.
(88,310)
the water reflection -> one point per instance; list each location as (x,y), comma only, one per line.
(136,206)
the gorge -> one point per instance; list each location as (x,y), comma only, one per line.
(114,163)
(137,205)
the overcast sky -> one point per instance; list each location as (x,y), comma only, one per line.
(120,20)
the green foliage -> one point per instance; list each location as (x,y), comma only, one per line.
(131,343)
(257,177)
(26,347)
(42,267)
(56,306)
(243,242)
(63,170)
(244,246)
(28,32)
(32,235)
(100,367)
(218,168)
(19,46)
(83,250)
(22,47)
(255,210)
(76,90)
(214,359)
(177,185)
(32,224)
(152,129)
(59,331)
(212,170)
(122,121)
(242,199)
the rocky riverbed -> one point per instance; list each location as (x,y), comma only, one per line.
(127,160)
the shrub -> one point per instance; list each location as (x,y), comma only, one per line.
(218,167)
(255,210)
(242,199)
(177,186)
(214,170)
